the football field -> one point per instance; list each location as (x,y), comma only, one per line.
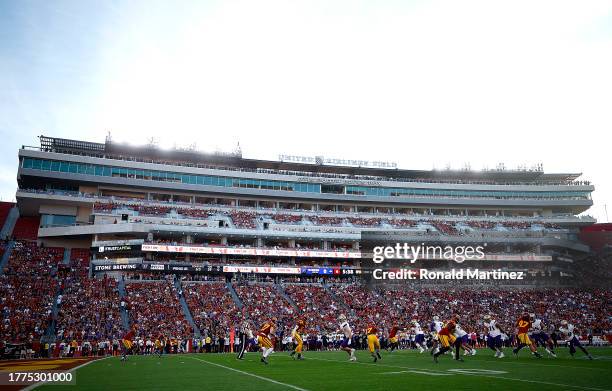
(400,370)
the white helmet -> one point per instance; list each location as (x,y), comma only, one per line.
(564,323)
(436,318)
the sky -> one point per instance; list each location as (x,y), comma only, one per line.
(426,84)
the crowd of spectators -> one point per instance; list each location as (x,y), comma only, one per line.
(212,307)
(89,309)
(326,220)
(365,221)
(244,219)
(589,310)
(401,223)
(444,228)
(262,301)
(27,291)
(481,224)
(516,224)
(362,302)
(195,213)
(286,218)
(154,309)
(315,305)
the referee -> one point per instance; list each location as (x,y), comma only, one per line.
(245,337)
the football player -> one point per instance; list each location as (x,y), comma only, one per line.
(419,336)
(569,332)
(494,336)
(346,343)
(264,339)
(373,342)
(297,338)
(523,324)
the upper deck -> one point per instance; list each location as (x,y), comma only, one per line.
(78,162)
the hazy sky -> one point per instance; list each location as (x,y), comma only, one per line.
(422,83)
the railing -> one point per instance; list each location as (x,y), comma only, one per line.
(117,242)
(264,210)
(280,248)
(474,233)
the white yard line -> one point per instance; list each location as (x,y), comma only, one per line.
(33,386)
(421,372)
(374,365)
(250,374)
(508,359)
(537,381)
(470,374)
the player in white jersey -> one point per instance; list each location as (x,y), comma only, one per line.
(464,340)
(539,335)
(494,336)
(347,341)
(434,329)
(569,332)
(419,336)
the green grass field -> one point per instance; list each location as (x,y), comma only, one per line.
(401,370)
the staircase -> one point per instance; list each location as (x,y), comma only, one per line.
(282,292)
(124,314)
(5,257)
(232,291)
(185,307)
(7,229)
(49,336)
(66,260)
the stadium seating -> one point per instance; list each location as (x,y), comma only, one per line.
(316,306)
(27,291)
(362,302)
(180,214)
(365,222)
(81,257)
(212,307)
(3,244)
(262,301)
(26,228)
(154,309)
(243,219)
(444,228)
(5,208)
(89,309)
(286,219)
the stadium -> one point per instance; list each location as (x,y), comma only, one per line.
(135,267)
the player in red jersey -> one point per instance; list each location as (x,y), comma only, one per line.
(373,342)
(264,339)
(127,343)
(523,324)
(447,339)
(393,339)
